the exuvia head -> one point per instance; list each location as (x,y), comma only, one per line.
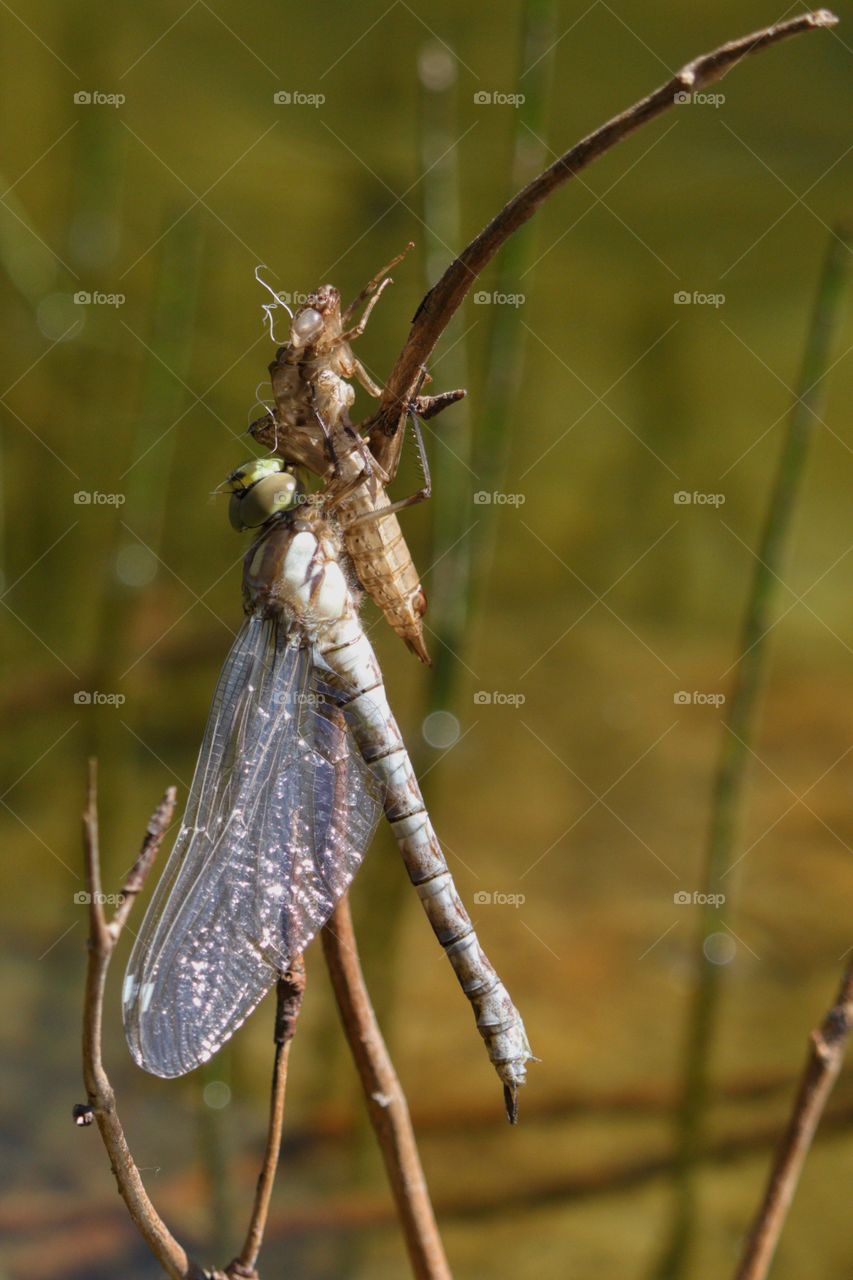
(260,489)
(307,325)
(321,313)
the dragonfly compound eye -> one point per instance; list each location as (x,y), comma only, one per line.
(251,508)
(306,326)
(251,472)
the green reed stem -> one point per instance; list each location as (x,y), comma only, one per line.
(497,414)
(451,508)
(738,736)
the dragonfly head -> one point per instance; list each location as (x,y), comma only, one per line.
(260,489)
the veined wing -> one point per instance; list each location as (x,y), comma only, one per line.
(280,813)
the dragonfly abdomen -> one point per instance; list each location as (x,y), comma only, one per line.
(379,740)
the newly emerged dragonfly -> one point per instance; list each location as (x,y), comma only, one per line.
(300,757)
(310,426)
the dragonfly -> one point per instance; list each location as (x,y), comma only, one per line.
(300,757)
(312,382)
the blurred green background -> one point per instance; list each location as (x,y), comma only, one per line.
(581,782)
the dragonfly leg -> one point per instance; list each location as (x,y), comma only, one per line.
(370,288)
(422,495)
(330,443)
(371,468)
(372,388)
(358,329)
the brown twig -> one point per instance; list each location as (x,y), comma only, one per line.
(101,1105)
(440,304)
(103,936)
(386,1102)
(823,1064)
(289,993)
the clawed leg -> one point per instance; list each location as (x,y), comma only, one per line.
(365,379)
(327,436)
(370,287)
(358,329)
(422,494)
(341,489)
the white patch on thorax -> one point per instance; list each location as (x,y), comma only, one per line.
(330,601)
(297,561)
(257,561)
(323,600)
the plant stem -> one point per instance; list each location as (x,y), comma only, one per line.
(506,344)
(386,1102)
(101,1099)
(823,1064)
(739,733)
(290,990)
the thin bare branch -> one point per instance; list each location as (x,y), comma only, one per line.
(289,993)
(386,1102)
(823,1064)
(440,304)
(155,832)
(100,1097)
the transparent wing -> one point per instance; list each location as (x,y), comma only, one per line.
(280,813)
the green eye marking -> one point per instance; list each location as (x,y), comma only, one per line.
(260,489)
(249,473)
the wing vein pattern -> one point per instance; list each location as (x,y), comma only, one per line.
(280,813)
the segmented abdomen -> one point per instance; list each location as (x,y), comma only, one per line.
(347,651)
(384,564)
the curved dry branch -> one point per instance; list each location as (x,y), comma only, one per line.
(101,1103)
(826,1055)
(385,1099)
(289,994)
(444,298)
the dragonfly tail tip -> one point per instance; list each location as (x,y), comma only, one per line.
(511,1103)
